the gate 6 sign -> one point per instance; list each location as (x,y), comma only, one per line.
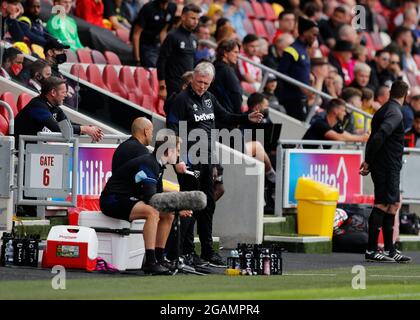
(338,168)
(46,168)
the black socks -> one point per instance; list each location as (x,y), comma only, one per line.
(159,254)
(375,223)
(150,256)
(388,231)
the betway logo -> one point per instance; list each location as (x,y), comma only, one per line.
(320,173)
(204,117)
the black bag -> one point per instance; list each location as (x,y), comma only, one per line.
(409,223)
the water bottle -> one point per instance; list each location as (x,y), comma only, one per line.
(266,263)
(9,253)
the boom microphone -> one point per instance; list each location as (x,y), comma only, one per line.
(178,201)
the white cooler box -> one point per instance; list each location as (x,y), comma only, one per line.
(124,252)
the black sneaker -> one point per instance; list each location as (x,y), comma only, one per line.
(155,269)
(398,257)
(215,260)
(376,256)
(169,264)
(193,260)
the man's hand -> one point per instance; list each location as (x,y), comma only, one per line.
(162,92)
(364,169)
(181,168)
(255,117)
(365,137)
(185,213)
(94,132)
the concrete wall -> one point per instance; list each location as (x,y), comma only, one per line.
(292,128)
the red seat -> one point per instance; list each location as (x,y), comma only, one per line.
(123,34)
(271,29)
(258,9)
(376,40)
(417,60)
(94,76)
(249,28)
(324,50)
(4,125)
(9,98)
(160,105)
(113,83)
(71,56)
(249,88)
(149,102)
(248,9)
(269,11)
(259,28)
(78,71)
(84,56)
(154,80)
(127,80)
(369,42)
(98,57)
(141,76)
(23,100)
(112,58)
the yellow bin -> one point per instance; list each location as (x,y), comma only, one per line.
(316,207)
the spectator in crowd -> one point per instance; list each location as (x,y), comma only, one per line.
(313,11)
(295,63)
(328,29)
(319,68)
(269,93)
(248,72)
(263,48)
(326,128)
(12,64)
(275,51)
(226,86)
(379,74)
(341,58)
(361,73)
(44,113)
(413,134)
(177,53)
(226,32)
(91,11)
(215,13)
(113,11)
(132,8)
(149,30)
(402,43)
(10,10)
(39,70)
(360,53)
(222,22)
(287,24)
(381,96)
(368,101)
(411,20)
(63,27)
(169,102)
(395,69)
(352,96)
(36,25)
(409,110)
(348,33)
(236,14)
(333,84)
(207,108)
(204,52)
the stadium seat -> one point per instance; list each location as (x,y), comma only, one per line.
(270,28)
(248,88)
(277,8)
(258,9)
(324,50)
(417,60)
(249,28)
(154,80)
(112,58)
(160,105)
(71,57)
(376,40)
(38,50)
(4,125)
(113,83)
(141,76)
(98,57)
(248,9)
(149,102)
(23,100)
(259,28)
(94,76)
(123,34)
(269,12)
(78,71)
(84,56)
(369,43)
(127,80)
(9,98)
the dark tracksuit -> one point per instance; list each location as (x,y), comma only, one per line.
(129,149)
(199,113)
(175,58)
(384,151)
(295,63)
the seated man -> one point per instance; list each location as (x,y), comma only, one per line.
(127,194)
(248,72)
(326,128)
(12,64)
(39,70)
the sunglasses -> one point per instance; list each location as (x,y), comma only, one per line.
(395,62)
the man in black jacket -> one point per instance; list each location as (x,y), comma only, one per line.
(383,159)
(199,109)
(177,52)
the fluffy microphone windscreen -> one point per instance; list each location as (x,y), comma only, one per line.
(177,201)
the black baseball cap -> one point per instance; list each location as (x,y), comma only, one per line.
(55,44)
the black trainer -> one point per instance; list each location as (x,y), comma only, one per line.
(376,256)
(398,257)
(155,269)
(193,260)
(215,260)
(169,264)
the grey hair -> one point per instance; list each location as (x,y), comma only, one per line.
(205,69)
(360,66)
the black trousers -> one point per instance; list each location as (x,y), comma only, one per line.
(204,217)
(296,108)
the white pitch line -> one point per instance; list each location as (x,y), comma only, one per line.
(385,296)
(393,276)
(311,274)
